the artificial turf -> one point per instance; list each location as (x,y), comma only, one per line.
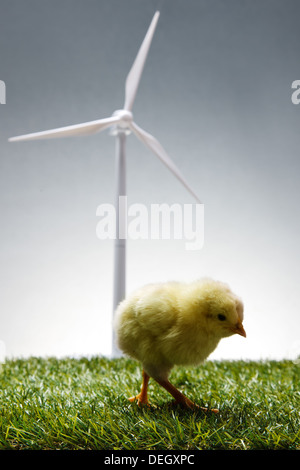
(50,403)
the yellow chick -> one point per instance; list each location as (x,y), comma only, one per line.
(174,323)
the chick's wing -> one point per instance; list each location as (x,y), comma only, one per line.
(156,309)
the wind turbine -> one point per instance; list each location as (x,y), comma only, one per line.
(122,125)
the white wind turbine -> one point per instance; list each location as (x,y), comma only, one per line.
(122,123)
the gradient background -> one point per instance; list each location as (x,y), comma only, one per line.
(216,92)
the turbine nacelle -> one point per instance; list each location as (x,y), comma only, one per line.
(123,125)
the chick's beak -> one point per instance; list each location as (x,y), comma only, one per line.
(239,329)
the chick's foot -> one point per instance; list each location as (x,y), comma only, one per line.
(209,410)
(141,400)
(188,404)
(181,399)
(142,396)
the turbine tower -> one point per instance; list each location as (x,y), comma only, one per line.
(122,125)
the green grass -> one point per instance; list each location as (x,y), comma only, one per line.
(82,404)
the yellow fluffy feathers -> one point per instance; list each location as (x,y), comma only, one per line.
(168,324)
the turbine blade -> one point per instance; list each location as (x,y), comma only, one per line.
(155,146)
(134,76)
(85,128)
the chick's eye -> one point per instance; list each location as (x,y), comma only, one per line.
(221,317)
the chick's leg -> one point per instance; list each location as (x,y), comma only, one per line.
(179,397)
(142,396)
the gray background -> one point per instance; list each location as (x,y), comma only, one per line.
(216,92)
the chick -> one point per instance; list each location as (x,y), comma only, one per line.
(162,325)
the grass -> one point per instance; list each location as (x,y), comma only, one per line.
(82,404)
